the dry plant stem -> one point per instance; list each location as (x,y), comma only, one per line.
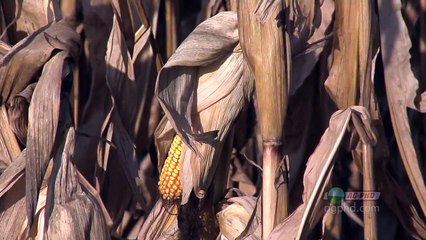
(370,218)
(69,9)
(171,26)
(274,207)
(76,93)
(267,52)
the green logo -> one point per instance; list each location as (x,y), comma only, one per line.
(336,196)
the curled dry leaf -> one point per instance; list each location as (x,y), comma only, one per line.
(317,175)
(307,48)
(161,223)
(123,87)
(401,89)
(19,66)
(202,89)
(9,148)
(239,218)
(12,198)
(18,112)
(20,15)
(74,214)
(44,114)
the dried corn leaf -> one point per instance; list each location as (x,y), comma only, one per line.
(9,148)
(161,223)
(120,74)
(4,49)
(98,16)
(127,155)
(302,13)
(44,114)
(121,81)
(12,213)
(209,8)
(239,218)
(12,182)
(306,49)
(75,213)
(401,205)
(317,174)
(13,173)
(12,199)
(210,41)
(205,77)
(22,15)
(401,87)
(37,229)
(18,112)
(26,58)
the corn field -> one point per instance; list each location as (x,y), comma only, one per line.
(212,119)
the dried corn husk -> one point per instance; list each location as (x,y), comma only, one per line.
(74,214)
(239,217)
(401,89)
(202,89)
(317,175)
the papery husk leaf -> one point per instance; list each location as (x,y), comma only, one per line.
(209,8)
(237,214)
(4,49)
(13,173)
(210,41)
(26,58)
(75,215)
(306,49)
(401,87)
(12,199)
(316,178)
(18,112)
(98,18)
(121,82)
(9,148)
(204,78)
(401,205)
(127,155)
(161,223)
(37,229)
(43,123)
(25,22)
(120,73)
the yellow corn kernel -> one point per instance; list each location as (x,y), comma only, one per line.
(169,184)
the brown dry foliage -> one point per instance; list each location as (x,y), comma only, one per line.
(92,93)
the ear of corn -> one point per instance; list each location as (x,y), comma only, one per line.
(169,184)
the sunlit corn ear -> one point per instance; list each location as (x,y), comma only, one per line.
(202,89)
(169,184)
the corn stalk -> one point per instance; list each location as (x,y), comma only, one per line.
(264,47)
